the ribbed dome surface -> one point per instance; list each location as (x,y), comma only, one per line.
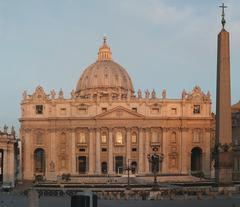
(104,76)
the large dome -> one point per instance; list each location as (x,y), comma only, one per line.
(105,77)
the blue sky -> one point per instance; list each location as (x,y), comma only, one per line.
(163,44)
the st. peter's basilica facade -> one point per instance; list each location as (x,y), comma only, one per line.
(106,126)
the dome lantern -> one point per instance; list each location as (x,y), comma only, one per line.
(104,51)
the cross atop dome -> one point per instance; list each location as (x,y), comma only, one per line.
(104,51)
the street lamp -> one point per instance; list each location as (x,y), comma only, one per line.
(155,159)
(128,168)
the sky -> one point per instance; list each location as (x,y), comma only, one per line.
(163,44)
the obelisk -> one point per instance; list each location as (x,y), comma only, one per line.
(224,154)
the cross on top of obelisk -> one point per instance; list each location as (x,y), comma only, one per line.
(223,14)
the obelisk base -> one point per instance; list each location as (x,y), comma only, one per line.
(224,169)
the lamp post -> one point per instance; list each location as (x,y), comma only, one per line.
(128,168)
(155,159)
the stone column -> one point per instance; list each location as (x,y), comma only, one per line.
(185,151)
(206,160)
(51,163)
(28,157)
(11,166)
(98,154)
(147,146)
(110,152)
(181,149)
(91,152)
(5,165)
(73,151)
(165,151)
(128,145)
(141,151)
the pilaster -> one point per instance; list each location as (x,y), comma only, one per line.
(110,152)
(98,154)
(141,151)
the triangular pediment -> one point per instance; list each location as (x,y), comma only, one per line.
(119,113)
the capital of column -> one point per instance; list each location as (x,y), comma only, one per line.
(91,129)
(148,129)
(165,129)
(128,129)
(110,130)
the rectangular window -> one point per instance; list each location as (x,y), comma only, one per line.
(134,149)
(155,110)
(82,150)
(134,109)
(104,109)
(39,109)
(82,138)
(63,111)
(104,138)
(134,138)
(82,110)
(119,138)
(196,109)
(104,149)
(174,111)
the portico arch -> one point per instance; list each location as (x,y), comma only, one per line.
(196,160)
(39,160)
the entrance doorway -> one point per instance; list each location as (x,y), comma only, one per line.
(196,160)
(104,168)
(134,167)
(1,165)
(119,164)
(82,164)
(39,161)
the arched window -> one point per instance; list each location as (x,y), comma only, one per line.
(173,137)
(82,138)
(119,138)
(39,160)
(104,138)
(134,137)
(104,168)
(39,138)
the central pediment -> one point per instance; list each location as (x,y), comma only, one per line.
(119,113)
